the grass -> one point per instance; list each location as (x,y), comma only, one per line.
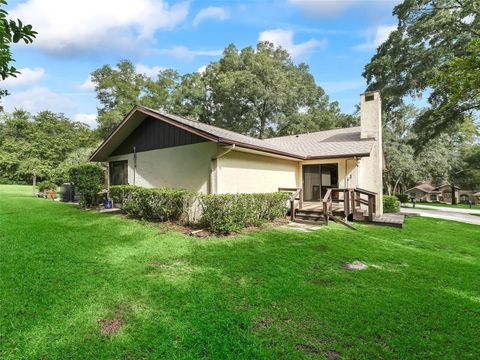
(82,285)
(458,206)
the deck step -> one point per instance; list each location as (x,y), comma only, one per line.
(309,212)
(310,218)
(312,222)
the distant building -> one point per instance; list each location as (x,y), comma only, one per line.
(425,191)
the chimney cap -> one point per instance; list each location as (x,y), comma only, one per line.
(370,92)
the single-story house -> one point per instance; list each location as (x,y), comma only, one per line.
(153,149)
(425,191)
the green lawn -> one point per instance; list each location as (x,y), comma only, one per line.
(459,206)
(67,275)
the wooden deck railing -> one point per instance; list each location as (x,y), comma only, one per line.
(352,200)
(296,200)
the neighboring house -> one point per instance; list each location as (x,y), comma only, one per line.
(425,191)
(153,149)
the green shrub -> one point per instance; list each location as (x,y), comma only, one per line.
(46,185)
(153,204)
(403,198)
(229,213)
(390,204)
(88,180)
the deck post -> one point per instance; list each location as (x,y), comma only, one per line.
(346,202)
(370,208)
(300,198)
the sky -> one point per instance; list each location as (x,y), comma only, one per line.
(335,38)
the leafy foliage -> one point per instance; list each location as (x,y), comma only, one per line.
(46,185)
(419,56)
(119,89)
(153,204)
(403,198)
(88,180)
(219,213)
(11,31)
(258,92)
(391,204)
(232,212)
(39,145)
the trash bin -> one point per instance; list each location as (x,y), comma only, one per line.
(68,192)
(108,203)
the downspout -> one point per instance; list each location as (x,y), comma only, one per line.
(134,163)
(213,167)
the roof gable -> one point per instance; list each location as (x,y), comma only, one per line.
(152,134)
(324,144)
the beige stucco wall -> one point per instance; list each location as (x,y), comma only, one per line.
(185,167)
(240,172)
(370,176)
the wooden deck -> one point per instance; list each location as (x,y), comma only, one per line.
(390,220)
(318,206)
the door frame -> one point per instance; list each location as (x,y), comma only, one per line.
(336,164)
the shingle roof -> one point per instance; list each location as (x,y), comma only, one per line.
(335,142)
(427,188)
(323,144)
(329,143)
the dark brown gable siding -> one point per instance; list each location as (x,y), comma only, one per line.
(154,134)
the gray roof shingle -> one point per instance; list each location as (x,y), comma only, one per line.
(329,143)
(323,144)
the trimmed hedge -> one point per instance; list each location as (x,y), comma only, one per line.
(390,204)
(233,212)
(88,180)
(219,213)
(152,204)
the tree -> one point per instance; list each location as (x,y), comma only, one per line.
(46,137)
(258,92)
(34,168)
(120,88)
(11,31)
(431,36)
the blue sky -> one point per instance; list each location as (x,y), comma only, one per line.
(335,38)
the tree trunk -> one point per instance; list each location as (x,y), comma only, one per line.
(34,189)
(454,199)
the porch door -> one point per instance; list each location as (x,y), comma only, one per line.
(119,172)
(317,179)
(311,182)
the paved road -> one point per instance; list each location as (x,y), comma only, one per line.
(446,215)
(443,208)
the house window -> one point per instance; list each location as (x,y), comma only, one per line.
(433,197)
(464,198)
(119,172)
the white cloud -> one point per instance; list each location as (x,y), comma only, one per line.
(376,37)
(88,84)
(148,71)
(284,38)
(75,26)
(37,99)
(328,8)
(89,119)
(26,77)
(184,53)
(211,12)
(202,69)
